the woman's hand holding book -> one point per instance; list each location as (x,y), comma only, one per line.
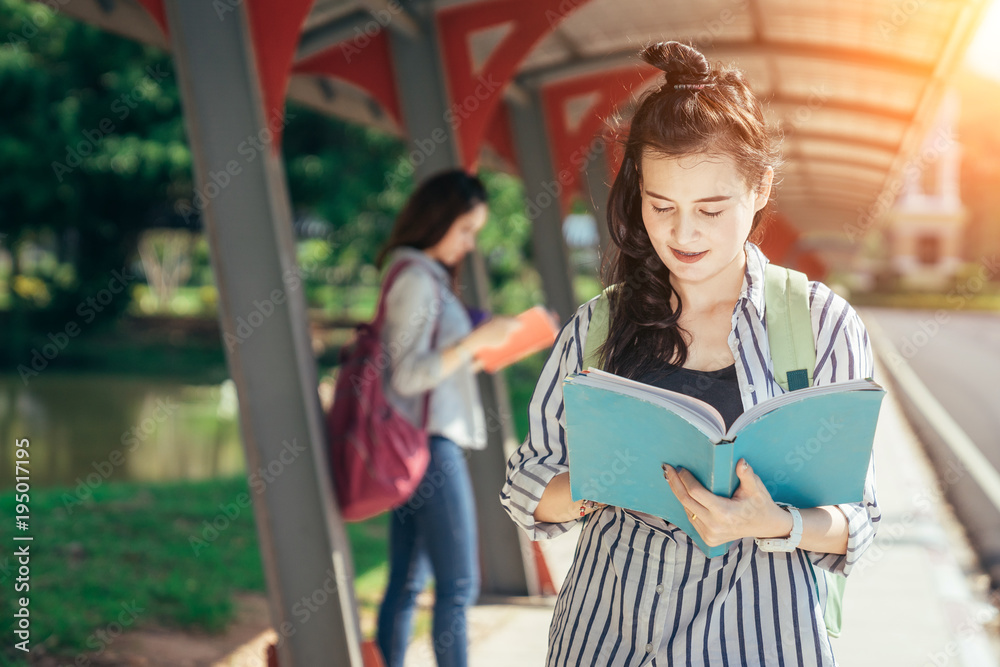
(749,513)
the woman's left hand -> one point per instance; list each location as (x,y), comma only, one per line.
(749,513)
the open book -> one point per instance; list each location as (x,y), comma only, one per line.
(537,332)
(810,447)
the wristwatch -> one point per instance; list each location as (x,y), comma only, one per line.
(789,543)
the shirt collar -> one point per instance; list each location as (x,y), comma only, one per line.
(753,277)
(407,252)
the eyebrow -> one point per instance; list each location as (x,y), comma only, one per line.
(697,201)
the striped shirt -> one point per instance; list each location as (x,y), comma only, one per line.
(639,592)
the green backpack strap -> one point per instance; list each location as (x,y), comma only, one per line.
(833,615)
(597,332)
(789,327)
(793,355)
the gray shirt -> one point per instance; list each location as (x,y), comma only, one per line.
(420,296)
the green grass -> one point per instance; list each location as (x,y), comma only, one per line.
(130,544)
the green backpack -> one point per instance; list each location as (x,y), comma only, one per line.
(793,354)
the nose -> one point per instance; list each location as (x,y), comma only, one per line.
(685,229)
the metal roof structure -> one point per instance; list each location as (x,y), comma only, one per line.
(851,85)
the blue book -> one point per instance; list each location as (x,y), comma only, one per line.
(810,447)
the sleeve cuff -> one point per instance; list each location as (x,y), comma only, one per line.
(520,496)
(861,534)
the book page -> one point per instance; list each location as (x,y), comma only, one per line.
(698,413)
(771,404)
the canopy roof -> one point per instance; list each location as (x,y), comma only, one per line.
(852,85)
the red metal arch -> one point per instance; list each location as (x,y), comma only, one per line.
(367,66)
(275,29)
(570,146)
(159,14)
(474,96)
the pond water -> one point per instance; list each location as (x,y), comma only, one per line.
(86,428)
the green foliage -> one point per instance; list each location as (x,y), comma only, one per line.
(92,138)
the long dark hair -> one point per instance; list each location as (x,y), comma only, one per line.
(699,108)
(431,211)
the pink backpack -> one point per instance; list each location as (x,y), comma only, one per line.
(377,456)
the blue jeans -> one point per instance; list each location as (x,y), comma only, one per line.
(434,531)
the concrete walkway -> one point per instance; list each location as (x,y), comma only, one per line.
(916,599)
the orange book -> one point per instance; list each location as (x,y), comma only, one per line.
(537,332)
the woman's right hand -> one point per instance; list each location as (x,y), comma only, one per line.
(493,332)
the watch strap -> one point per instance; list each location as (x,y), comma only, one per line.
(789,543)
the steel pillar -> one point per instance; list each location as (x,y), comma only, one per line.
(542,188)
(304,548)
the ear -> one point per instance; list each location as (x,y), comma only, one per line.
(764,189)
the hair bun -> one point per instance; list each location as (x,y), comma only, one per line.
(681,64)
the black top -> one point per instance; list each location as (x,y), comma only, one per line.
(720,388)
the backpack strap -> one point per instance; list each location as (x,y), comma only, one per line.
(789,327)
(597,332)
(793,355)
(376,324)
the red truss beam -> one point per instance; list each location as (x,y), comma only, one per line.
(474,95)
(570,142)
(274,28)
(368,66)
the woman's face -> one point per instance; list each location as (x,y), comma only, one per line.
(698,211)
(461,237)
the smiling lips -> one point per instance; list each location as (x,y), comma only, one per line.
(688,258)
